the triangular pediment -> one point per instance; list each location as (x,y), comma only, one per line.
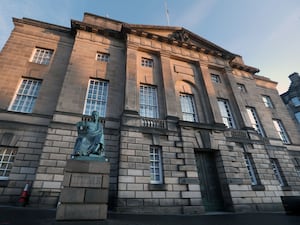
(169,34)
(180,35)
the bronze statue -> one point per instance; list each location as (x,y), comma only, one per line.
(90,141)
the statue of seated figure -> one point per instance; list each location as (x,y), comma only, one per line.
(90,140)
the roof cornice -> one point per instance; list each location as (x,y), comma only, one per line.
(78,25)
(41,24)
(244,67)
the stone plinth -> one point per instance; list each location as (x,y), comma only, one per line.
(85,191)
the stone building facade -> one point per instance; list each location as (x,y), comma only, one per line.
(189,128)
(291,99)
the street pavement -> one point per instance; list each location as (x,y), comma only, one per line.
(10,215)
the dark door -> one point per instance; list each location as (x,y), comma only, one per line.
(209,181)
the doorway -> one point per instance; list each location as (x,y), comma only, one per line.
(209,181)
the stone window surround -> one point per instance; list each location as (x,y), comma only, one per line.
(226,112)
(188,108)
(41,56)
(281,131)
(267,101)
(26,95)
(102,56)
(7,156)
(254,120)
(96,86)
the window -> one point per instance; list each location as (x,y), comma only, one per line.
(267,101)
(41,56)
(215,78)
(147,62)
(254,120)
(188,108)
(281,131)
(241,87)
(296,101)
(148,101)
(277,172)
(156,176)
(250,168)
(26,96)
(96,97)
(226,113)
(297,165)
(7,156)
(298,170)
(297,115)
(103,57)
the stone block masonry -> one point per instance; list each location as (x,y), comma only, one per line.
(85,191)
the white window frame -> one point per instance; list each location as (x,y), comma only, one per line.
(148,101)
(102,57)
(277,173)
(296,101)
(226,113)
(215,78)
(146,62)
(188,108)
(7,156)
(267,101)
(41,56)
(250,168)
(281,131)
(156,174)
(26,95)
(96,97)
(254,120)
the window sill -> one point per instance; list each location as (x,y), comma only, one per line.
(3,183)
(286,188)
(258,187)
(157,187)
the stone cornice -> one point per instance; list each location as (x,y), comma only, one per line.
(258,77)
(37,23)
(78,25)
(243,67)
(180,37)
(142,33)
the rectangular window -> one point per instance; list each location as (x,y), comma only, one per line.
(146,62)
(41,56)
(241,87)
(26,96)
(148,101)
(281,131)
(254,120)
(103,57)
(215,78)
(226,113)
(250,168)
(156,176)
(296,101)
(188,108)
(7,156)
(297,166)
(297,115)
(267,101)
(277,171)
(96,97)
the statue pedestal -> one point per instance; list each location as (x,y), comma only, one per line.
(85,191)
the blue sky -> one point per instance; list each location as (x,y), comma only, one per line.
(266,33)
